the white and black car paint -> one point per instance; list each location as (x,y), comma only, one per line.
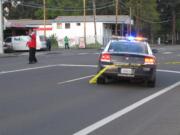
(132,60)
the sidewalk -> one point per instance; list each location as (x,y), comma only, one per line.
(53,51)
(73,50)
(6,55)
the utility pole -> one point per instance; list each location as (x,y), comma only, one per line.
(84,1)
(44,10)
(1,28)
(174,27)
(138,18)
(130,14)
(94,13)
(117,8)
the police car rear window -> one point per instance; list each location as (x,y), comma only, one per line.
(131,47)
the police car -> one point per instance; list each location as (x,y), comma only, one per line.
(130,58)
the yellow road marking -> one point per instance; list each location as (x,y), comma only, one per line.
(173,62)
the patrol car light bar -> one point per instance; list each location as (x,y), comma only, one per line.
(130,38)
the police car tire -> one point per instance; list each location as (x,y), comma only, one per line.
(101,80)
(151,83)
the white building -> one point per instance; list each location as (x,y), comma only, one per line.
(73,27)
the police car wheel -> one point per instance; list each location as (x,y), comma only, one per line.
(101,80)
(151,83)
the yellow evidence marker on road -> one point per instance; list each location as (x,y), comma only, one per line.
(94,79)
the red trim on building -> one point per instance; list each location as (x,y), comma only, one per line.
(42,29)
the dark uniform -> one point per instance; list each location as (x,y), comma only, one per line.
(48,43)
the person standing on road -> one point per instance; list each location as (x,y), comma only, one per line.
(32,47)
(48,42)
(66,42)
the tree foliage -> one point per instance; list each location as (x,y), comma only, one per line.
(20,11)
(146,13)
(166,7)
(60,7)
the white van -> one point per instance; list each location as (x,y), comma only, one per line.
(41,42)
(19,43)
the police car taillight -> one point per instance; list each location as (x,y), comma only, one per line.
(149,61)
(105,57)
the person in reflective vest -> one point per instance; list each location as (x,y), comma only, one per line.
(66,42)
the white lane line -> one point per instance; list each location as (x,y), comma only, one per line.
(167,52)
(124,111)
(47,66)
(168,71)
(72,65)
(73,80)
(69,65)
(26,69)
(82,53)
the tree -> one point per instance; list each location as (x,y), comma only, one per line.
(19,9)
(144,12)
(145,15)
(61,7)
(168,10)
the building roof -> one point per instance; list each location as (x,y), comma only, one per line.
(26,23)
(99,18)
(67,19)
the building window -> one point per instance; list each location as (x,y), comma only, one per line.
(78,24)
(67,25)
(59,25)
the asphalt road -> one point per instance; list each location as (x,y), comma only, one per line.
(53,97)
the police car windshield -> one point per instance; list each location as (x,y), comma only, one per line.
(131,47)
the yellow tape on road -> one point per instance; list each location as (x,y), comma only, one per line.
(94,79)
(173,62)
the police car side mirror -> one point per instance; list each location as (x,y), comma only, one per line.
(101,48)
(154,51)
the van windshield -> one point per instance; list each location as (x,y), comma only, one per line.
(42,38)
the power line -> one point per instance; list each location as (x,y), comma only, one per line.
(88,7)
(65,9)
(145,19)
(154,22)
(105,5)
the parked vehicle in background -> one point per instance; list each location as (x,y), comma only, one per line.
(7,45)
(41,42)
(19,43)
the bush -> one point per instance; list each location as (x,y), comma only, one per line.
(93,45)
